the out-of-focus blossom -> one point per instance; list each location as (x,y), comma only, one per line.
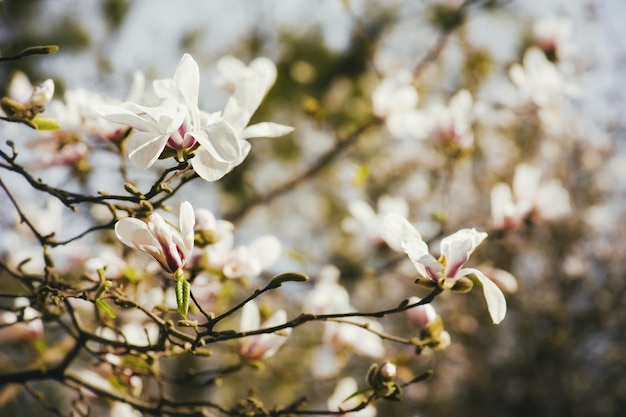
(452,124)
(211,231)
(260,346)
(171,247)
(369,223)
(23,327)
(354,338)
(553,36)
(446,271)
(530,198)
(249,261)
(328,296)
(395,100)
(539,80)
(339,401)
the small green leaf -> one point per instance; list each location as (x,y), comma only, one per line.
(106,307)
(279,279)
(45,124)
(182,296)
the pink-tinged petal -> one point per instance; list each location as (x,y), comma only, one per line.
(144,148)
(220,140)
(458,247)
(145,241)
(125,228)
(496,303)
(164,234)
(265,130)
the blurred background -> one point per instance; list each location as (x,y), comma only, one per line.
(561,349)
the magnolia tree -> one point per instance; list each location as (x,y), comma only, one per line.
(175,267)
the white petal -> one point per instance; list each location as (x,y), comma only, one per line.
(250,317)
(265,130)
(125,228)
(208,168)
(187,220)
(399,230)
(220,140)
(144,148)
(187,78)
(496,303)
(127,117)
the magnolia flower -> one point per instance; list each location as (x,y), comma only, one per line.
(528,198)
(171,247)
(395,100)
(449,268)
(260,346)
(249,85)
(177,123)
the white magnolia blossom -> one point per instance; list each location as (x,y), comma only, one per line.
(260,346)
(217,139)
(528,198)
(171,247)
(395,100)
(455,252)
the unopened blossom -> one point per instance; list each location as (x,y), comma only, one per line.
(529,198)
(395,101)
(171,247)
(260,346)
(446,270)
(421,315)
(20,91)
